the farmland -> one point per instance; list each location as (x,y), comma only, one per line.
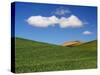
(33,56)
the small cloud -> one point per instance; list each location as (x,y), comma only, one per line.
(41,21)
(87,33)
(85,23)
(62,11)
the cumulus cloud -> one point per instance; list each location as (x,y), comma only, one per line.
(87,33)
(40,21)
(63,22)
(72,21)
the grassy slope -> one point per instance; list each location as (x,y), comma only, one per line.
(32,56)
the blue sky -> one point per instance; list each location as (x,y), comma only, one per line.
(55,24)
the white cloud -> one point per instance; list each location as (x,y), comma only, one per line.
(62,11)
(87,33)
(40,21)
(72,21)
(63,22)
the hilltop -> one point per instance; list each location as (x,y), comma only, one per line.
(72,43)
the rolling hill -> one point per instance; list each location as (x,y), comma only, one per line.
(33,56)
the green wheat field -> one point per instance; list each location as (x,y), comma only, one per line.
(33,56)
